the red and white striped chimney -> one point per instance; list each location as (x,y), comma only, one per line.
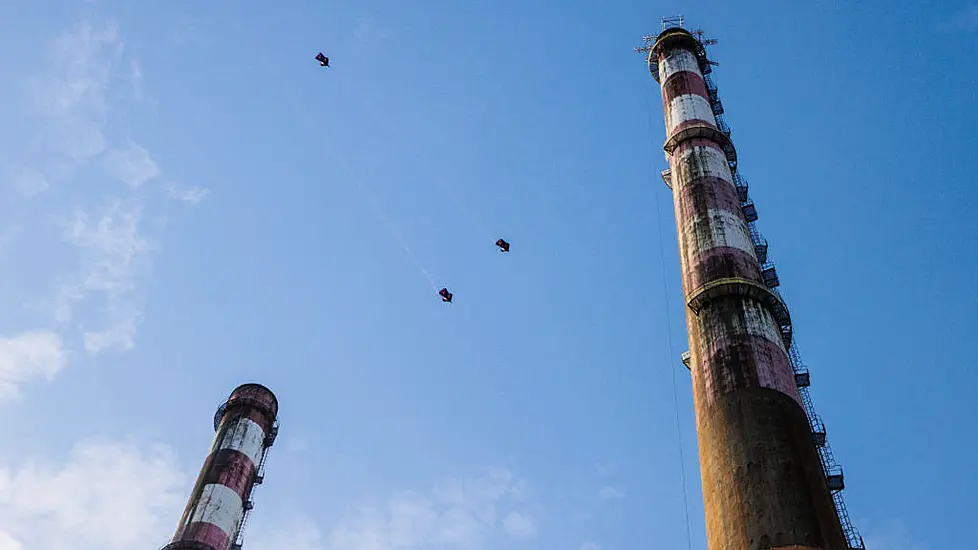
(246,427)
(764,487)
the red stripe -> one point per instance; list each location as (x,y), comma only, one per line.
(682,83)
(694,199)
(233,469)
(206,533)
(255,402)
(693,122)
(255,396)
(255,415)
(738,361)
(698,195)
(719,263)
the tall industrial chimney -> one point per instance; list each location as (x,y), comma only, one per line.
(215,516)
(766,480)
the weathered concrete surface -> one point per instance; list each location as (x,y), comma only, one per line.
(763,485)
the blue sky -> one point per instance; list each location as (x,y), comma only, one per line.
(186,207)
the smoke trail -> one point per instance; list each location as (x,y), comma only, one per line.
(393,127)
(382,215)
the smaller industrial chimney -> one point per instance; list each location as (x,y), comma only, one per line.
(215,516)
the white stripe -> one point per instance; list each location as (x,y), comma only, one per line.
(717,228)
(700,161)
(688,107)
(757,321)
(219,505)
(243,434)
(680,234)
(676,61)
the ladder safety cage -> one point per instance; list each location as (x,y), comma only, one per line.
(770,275)
(750,211)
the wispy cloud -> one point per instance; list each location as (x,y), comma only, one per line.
(193,195)
(73,96)
(105,496)
(113,254)
(72,93)
(461,513)
(99,189)
(132,165)
(34,354)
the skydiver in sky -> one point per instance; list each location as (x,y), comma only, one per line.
(446,296)
(322,59)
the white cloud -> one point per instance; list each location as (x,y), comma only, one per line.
(73,97)
(462,514)
(8,543)
(193,195)
(73,94)
(28,355)
(519,526)
(113,254)
(76,98)
(610,493)
(107,496)
(112,243)
(124,321)
(132,165)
